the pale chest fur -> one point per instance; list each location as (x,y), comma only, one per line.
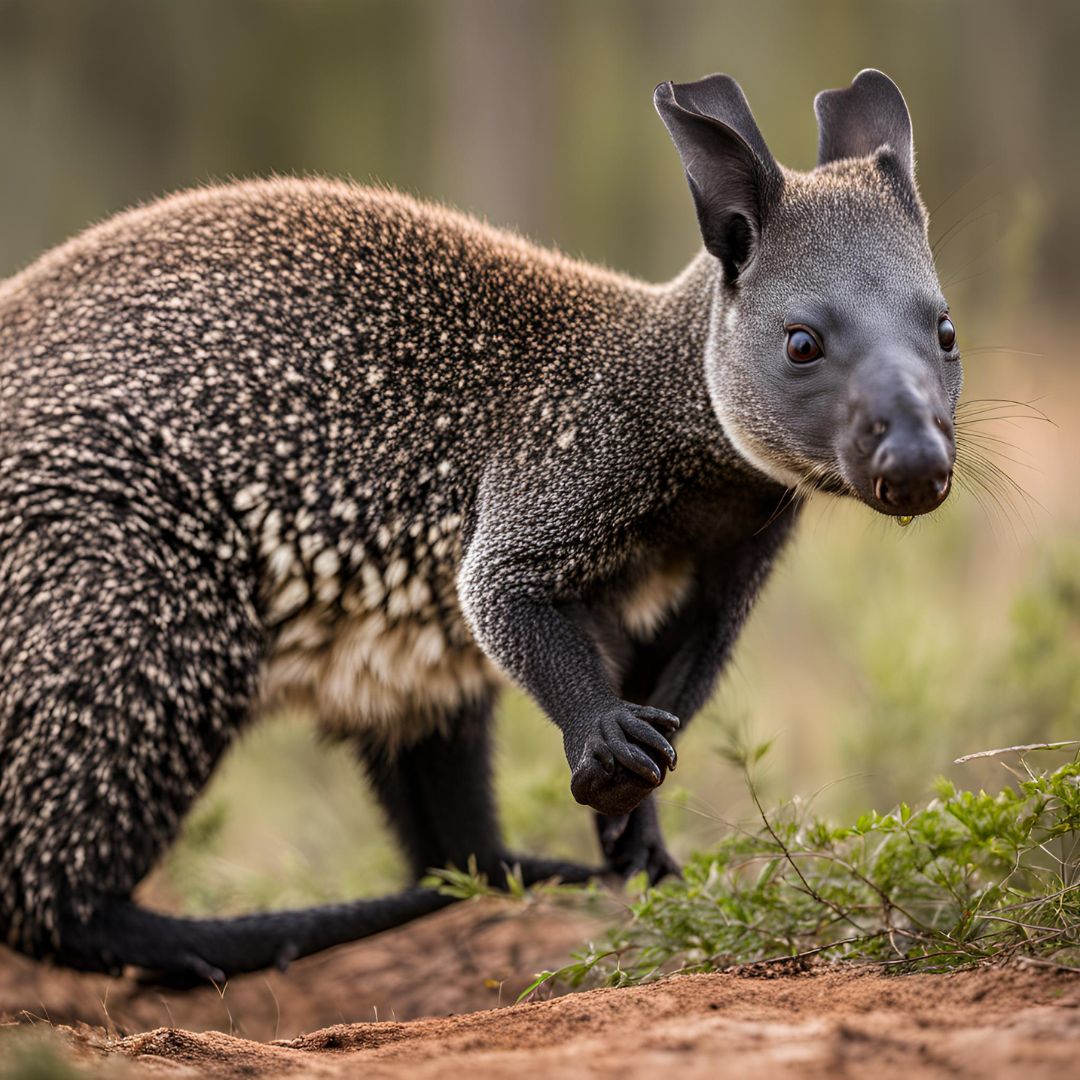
(397,678)
(367,635)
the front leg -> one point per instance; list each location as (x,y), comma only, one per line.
(618,751)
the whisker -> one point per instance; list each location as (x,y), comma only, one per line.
(970,414)
(973,217)
(979,469)
(786,499)
(976,450)
(973,349)
(1006,419)
(978,437)
(995,508)
(975,492)
(1001,487)
(804,487)
(997,514)
(977,175)
(1001,454)
(978,406)
(1015,485)
(953,281)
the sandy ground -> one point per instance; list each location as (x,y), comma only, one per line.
(833,1022)
(477,955)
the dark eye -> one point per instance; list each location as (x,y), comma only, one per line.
(802,346)
(946,333)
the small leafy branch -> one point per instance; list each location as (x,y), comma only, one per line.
(970,878)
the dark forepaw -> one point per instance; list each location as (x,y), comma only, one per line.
(633,843)
(623,758)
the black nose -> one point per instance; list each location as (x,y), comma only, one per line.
(911,475)
(900,441)
(905,496)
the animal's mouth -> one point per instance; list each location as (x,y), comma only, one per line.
(898,494)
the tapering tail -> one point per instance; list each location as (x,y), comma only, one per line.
(183,951)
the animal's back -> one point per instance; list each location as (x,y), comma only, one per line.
(279,330)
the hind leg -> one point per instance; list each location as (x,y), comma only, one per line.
(125,667)
(437,796)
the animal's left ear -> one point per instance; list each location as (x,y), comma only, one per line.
(862,118)
(869,117)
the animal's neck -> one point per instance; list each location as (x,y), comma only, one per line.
(672,345)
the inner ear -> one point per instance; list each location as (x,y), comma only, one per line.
(737,245)
(733,178)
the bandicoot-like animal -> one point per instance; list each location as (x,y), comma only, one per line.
(303,441)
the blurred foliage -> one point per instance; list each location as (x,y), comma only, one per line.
(877,654)
(536,113)
(39,1054)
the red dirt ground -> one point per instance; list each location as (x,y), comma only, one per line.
(834,1022)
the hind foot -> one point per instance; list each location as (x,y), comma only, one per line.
(633,843)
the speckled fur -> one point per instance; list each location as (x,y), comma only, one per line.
(298,440)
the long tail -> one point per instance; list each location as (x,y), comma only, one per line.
(183,952)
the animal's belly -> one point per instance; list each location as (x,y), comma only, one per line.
(397,679)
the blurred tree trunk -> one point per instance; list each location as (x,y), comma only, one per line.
(494,139)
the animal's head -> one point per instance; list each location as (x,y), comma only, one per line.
(832,360)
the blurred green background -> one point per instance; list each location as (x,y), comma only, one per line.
(878,654)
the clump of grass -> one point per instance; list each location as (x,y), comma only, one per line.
(470,884)
(968,878)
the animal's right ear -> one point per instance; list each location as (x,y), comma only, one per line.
(734,179)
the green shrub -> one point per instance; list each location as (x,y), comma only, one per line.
(968,878)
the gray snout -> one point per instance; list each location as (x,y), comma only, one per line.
(900,447)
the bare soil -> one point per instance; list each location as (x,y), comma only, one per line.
(361,1004)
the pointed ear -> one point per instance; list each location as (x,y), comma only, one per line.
(862,118)
(732,176)
(868,117)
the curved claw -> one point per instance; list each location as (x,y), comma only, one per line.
(658,718)
(637,761)
(643,732)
